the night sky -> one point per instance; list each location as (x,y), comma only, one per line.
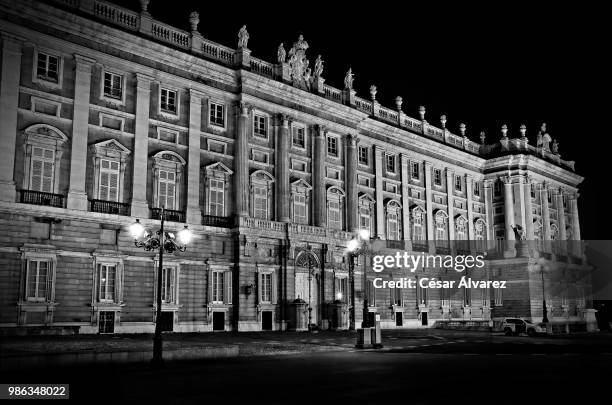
(484,65)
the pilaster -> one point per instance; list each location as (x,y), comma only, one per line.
(469,187)
(405,167)
(351,182)
(450,174)
(194,214)
(380,206)
(283,202)
(561,215)
(428,201)
(488,191)
(318,177)
(529,234)
(241,180)
(77,197)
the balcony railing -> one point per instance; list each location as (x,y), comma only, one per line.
(109,207)
(220,222)
(169,215)
(40,198)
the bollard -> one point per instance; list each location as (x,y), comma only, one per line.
(364,338)
(376,333)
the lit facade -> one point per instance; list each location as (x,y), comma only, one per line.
(108,114)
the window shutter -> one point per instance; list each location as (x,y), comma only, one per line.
(210,286)
(227,280)
(113,189)
(170,196)
(162,193)
(48,281)
(104,185)
(47,181)
(36,175)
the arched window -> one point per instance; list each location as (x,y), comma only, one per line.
(335,207)
(418,224)
(261,192)
(480,229)
(366,209)
(167,174)
(217,188)
(393,213)
(44,146)
(460,228)
(110,160)
(441,225)
(554,232)
(300,197)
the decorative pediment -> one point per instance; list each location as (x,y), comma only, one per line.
(262,175)
(44,134)
(392,203)
(364,197)
(219,167)
(334,190)
(110,147)
(460,217)
(417,208)
(169,156)
(440,213)
(301,183)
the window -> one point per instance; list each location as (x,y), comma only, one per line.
(113,85)
(107,275)
(332,146)
(47,67)
(266,288)
(445,297)
(168,285)
(486,298)
(217,115)
(458,183)
(298,138)
(38,282)
(333,173)
(365,219)
(299,209)
(109,180)
(166,189)
(298,165)
(460,228)
(437,177)
(217,147)
(341,286)
(371,294)
(393,221)
(42,170)
(169,101)
(441,226)
(477,189)
(497,297)
(422,295)
(217,286)
(363,155)
(260,126)
(261,202)
(398,297)
(216,197)
(414,172)
(479,230)
(334,215)
(533,191)
(467,297)
(390,163)
(363,181)
(391,188)
(418,233)
(259,156)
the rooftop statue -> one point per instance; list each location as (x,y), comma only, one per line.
(348,80)
(281,54)
(555,147)
(544,139)
(318,67)
(243,37)
(298,64)
(519,232)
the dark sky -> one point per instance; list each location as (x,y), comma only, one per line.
(481,64)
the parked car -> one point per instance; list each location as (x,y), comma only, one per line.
(516,326)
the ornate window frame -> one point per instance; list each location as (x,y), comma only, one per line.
(220,172)
(176,272)
(301,188)
(393,208)
(115,72)
(112,150)
(440,221)
(213,124)
(366,202)
(461,227)
(264,180)
(335,195)
(30,253)
(480,229)
(47,137)
(60,68)
(267,125)
(107,258)
(168,114)
(419,224)
(262,305)
(172,162)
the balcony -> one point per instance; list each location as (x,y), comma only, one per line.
(109,207)
(169,215)
(40,198)
(220,222)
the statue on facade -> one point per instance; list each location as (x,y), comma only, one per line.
(555,147)
(298,64)
(543,140)
(348,80)
(519,232)
(308,78)
(281,54)
(243,37)
(318,67)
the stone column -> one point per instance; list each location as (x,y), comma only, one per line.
(450,174)
(575,220)
(529,234)
(406,199)
(283,202)
(194,215)
(561,215)
(488,186)
(140,206)
(469,187)
(428,202)
(508,210)
(318,178)
(9,101)
(380,204)
(351,182)
(519,206)
(77,197)
(241,178)
(545,212)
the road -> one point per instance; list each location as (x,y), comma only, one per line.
(440,367)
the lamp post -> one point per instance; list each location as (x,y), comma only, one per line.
(310,264)
(542,266)
(161,241)
(357,247)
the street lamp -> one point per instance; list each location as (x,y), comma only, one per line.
(310,263)
(542,265)
(163,242)
(357,247)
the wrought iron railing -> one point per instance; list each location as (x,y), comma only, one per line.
(41,198)
(221,222)
(169,215)
(109,207)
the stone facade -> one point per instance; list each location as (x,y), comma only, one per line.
(108,114)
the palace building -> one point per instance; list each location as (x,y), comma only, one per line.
(107,115)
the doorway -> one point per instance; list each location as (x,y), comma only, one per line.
(266,320)
(167,321)
(218,320)
(424,318)
(309,295)
(399,319)
(107,322)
